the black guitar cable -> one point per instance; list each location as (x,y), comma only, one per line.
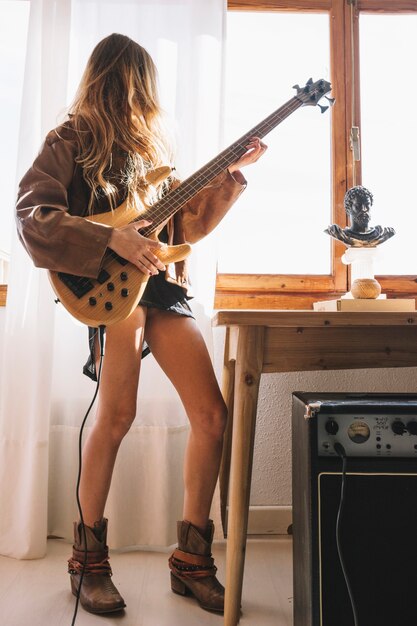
(101,330)
(339,449)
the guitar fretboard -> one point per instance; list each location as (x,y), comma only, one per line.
(170,204)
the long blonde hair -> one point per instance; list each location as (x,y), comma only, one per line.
(116,110)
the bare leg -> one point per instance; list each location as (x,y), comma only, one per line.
(179,348)
(115,412)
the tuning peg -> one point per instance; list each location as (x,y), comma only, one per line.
(331,101)
(297,87)
(310,81)
(322,108)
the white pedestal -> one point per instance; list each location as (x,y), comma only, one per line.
(361,261)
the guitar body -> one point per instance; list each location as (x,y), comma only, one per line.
(120,285)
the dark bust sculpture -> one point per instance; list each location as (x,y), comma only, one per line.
(357,202)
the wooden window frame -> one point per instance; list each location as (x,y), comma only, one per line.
(286,291)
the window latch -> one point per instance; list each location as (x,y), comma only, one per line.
(354,143)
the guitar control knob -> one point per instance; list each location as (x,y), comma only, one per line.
(398,427)
(123,276)
(125,292)
(108,306)
(92,301)
(332,427)
(412,428)
(110,287)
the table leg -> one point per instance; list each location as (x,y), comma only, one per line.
(247,377)
(228,387)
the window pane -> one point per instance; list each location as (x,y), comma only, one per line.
(388,50)
(14,17)
(277,225)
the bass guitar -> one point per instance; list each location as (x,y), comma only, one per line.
(116,291)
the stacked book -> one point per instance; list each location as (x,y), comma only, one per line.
(366,304)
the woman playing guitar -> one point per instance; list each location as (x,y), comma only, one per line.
(110,149)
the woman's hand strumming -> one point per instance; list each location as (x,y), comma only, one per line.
(139,250)
(255,149)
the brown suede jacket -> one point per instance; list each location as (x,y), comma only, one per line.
(53,199)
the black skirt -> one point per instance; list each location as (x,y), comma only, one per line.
(158,294)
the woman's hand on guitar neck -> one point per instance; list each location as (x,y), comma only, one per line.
(139,250)
(255,149)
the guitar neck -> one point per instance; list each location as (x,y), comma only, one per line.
(170,204)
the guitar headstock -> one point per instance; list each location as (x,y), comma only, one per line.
(312,92)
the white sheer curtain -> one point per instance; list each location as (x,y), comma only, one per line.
(44,395)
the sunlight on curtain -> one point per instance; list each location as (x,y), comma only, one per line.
(14,18)
(27,355)
(42,384)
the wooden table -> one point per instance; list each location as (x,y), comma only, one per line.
(288,341)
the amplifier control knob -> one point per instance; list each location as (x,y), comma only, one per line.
(332,427)
(398,427)
(412,428)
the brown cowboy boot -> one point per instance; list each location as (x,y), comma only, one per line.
(98,593)
(192,567)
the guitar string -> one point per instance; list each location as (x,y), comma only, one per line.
(196,179)
(190,187)
(223,160)
(194,182)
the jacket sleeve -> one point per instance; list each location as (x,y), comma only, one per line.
(200,215)
(53,238)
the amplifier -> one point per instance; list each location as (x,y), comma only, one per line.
(377,435)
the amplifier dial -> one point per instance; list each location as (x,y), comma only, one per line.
(359,432)
(332,427)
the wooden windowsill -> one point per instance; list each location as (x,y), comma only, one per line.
(275,292)
(3,295)
(259,300)
(270,301)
